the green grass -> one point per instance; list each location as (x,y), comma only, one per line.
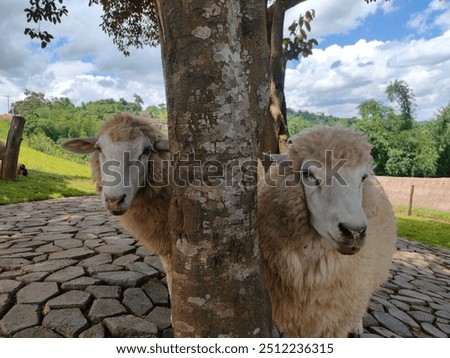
(436,215)
(428,226)
(48,177)
(426,231)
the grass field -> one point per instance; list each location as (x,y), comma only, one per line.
(49,177)
(428,226)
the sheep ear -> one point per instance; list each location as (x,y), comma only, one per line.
(80,145)
(161,145)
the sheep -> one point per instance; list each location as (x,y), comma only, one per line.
(327,243)
(126,144)
(21,168)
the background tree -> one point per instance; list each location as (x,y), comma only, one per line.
(440,130)
(400,93)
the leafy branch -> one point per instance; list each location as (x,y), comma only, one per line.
(44,10)
(297,43)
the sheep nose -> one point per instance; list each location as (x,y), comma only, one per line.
(349,231)
(113,202)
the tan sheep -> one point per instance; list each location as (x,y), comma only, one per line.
(327,243)
(127,161)
(21,168)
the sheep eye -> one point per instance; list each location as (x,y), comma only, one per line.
(98,149)
(147,151)
(364,177)
(310,179)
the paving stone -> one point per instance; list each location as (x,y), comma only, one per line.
(10,275)
(154,261)
(105,307)
(66,274)
(143,268)
(93,243)
(392,324)
(49,266)
(421,316)
(19,317)
(70,299)
(125,260)
(53,236)
(368,320)
(13,264)
(410,300)
(94,270)
(69,243)
(157,292)
(421,284)
(39,258)
(78,253)
(32,243)
(37,292)
(9,286)
(96,331)
(80,283)
(137,301)
(116,250)
(443,314)
(37,332)
(122,278)
(401,305)
(144,252)
(100,259)
(5,302)
(63,229)
(444,327)
(384,332)
(104,291)
(161,316)
(405,318)
(433,331)
(10,251)
(131,327)
(415,294)
(32,277)
(67,322)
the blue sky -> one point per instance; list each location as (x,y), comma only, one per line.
(362,47)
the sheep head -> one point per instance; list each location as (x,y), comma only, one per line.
(120,159)
(333,164)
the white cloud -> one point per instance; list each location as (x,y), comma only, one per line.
(60,71)
(335,17)
(337,79)
(436,15)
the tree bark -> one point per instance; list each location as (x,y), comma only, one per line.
(275,132)
(11,158)
(215,66)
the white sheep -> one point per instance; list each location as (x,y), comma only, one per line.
(127,167)
(327,243)
(21,168)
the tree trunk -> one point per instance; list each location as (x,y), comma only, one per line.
(215,66)
(11,158)
(275,131)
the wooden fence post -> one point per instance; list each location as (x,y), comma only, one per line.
(9,164)
(411,194)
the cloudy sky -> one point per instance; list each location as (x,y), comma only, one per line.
(361,49)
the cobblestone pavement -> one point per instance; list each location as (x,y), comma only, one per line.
(69,269)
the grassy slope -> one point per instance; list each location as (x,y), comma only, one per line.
(49,177)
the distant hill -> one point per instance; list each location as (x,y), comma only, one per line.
(298,120)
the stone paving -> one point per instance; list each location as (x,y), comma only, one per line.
(69,269)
